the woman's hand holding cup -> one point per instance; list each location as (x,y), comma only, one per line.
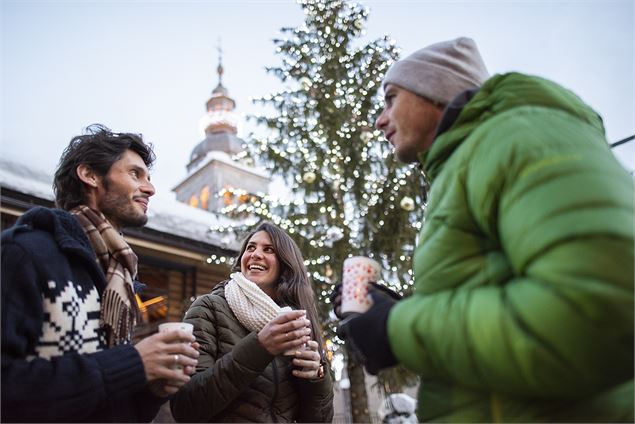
(287,331)
(307,361)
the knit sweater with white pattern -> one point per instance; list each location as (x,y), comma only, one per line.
(55,364)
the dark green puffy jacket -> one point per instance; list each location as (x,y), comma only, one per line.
(237,380)
(523,302)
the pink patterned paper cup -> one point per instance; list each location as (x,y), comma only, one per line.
(358,272)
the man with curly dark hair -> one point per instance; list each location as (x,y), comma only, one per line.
(68,296)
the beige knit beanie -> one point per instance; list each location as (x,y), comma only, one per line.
(440,71)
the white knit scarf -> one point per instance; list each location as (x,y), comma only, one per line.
(252,306)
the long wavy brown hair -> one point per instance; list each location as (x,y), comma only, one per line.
(294,285)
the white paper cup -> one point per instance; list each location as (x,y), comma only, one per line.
(173,326)
(166,327)
(288,352)
(358,272)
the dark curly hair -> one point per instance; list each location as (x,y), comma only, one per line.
(98,148)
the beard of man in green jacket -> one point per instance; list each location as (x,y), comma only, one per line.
(522,309)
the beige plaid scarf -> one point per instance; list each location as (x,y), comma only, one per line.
(119,310)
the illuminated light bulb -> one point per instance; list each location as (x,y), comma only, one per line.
(366,136)
(305,83)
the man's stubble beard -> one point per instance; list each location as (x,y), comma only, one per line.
(120,209)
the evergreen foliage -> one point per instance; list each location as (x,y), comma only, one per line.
(349,196)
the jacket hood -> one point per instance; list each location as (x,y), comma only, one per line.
(500,94)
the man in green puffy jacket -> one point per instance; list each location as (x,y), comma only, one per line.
(523,301)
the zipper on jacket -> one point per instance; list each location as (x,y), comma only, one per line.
(275,390)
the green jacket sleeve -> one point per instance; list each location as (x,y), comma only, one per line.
(218,379)
(560,214)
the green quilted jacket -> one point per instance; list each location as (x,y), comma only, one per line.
(523,301)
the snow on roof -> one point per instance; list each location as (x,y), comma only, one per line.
(225,158)
(165,213)
(170,216)
(24,179)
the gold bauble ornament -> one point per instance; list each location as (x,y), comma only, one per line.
(309,177)
(407,204)
(328,271)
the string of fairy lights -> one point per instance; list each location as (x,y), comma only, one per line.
(345,185)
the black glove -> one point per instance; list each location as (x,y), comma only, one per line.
(336,295)
(336,299)
(367,334)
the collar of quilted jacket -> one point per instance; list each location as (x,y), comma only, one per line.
(500,94)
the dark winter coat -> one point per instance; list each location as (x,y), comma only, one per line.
(55,367)
(523,302)
(238,380)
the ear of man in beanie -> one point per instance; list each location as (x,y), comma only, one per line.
(440,71)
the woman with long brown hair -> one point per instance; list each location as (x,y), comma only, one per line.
(259,363)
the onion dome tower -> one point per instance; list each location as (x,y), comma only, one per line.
(214,179)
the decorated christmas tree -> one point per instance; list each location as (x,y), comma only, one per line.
(348,195)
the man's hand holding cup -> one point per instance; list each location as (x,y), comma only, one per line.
(364,306)
(169,357)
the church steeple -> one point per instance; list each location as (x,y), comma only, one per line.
(219,124)
(219,68)
(220,103)
(215,178)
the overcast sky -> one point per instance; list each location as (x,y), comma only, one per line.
(150,66)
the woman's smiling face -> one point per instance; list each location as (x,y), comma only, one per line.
(259,262)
